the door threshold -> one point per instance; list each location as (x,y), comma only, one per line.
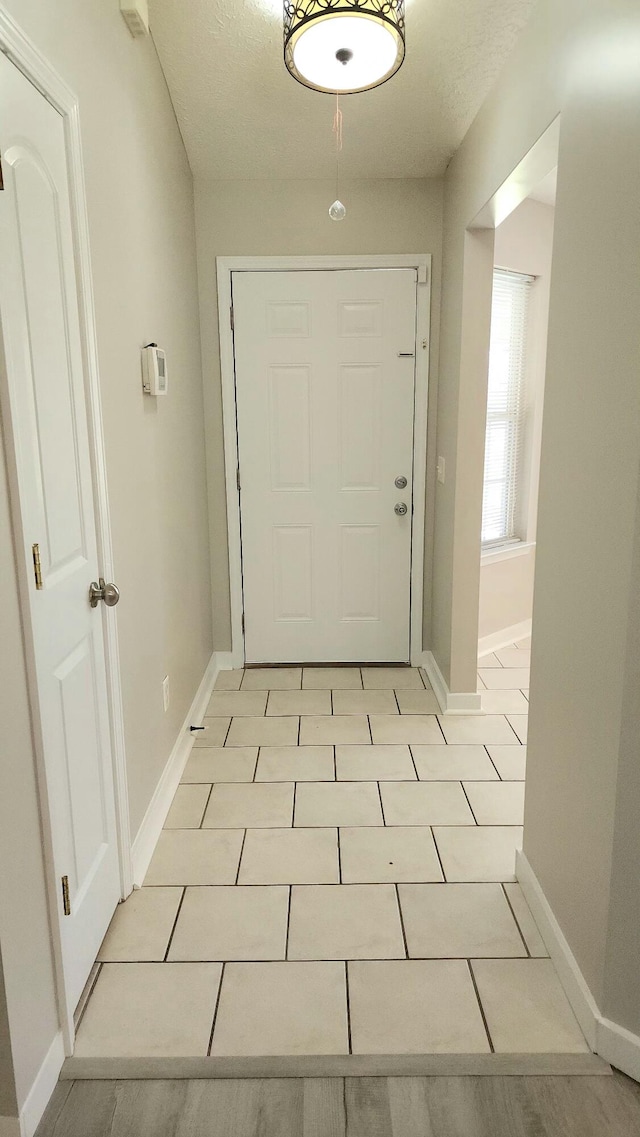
(338,1066)
(324,663)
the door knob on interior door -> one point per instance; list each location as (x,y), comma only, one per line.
(109,593)
(400,508)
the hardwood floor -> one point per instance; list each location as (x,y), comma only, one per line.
(560,1106)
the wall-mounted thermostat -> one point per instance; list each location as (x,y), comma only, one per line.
(155,380)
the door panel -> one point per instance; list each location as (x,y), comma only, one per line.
(360,427)
(360,572)
(44,402)
(293,572)
(325,411)
(290,427)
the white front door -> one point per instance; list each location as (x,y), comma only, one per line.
(46,429)
(325,378)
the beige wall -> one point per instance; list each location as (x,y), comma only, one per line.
(141,219)
(289,218)
(523,243)
(506,593)
(622,994)
(578,58)
(8,1099)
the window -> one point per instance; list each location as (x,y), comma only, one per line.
(505,407)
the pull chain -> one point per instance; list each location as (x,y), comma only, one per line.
(337,211)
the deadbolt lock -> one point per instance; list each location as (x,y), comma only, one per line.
(401,482)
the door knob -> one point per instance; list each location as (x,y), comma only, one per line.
(400,508)
(401,482)
(110,593)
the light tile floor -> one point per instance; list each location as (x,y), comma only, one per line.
(336,875)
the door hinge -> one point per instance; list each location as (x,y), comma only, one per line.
(66,903)
(232,318)
(238,478)
(37,569)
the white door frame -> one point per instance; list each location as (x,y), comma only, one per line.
(27,58)
(225,267)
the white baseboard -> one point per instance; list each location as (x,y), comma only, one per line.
(612,1042)
(151,827)
(40,1093)
(225,661)
(619,1047)
(505,637)
(451,702)
(575,987)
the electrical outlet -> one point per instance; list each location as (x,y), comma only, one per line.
(440,469)
(165,692)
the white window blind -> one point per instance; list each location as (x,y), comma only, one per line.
(505,405)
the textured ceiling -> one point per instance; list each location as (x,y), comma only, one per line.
(243,116)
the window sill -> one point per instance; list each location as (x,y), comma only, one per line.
(506,552)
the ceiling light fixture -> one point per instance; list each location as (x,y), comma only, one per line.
(342,46)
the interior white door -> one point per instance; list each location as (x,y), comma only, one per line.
(325,380)
(44,403)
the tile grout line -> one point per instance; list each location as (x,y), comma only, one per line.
(404,933)
(286,938)
(484,1017)
(116,964)
(384,823)
(492,761)
(346,983)
(175,923)
(437,718)
(517,923)
(328,825)
(321,884)
(215,1009)
(435,842)
(413,761)
(255,768)
(395,695)
(204,812)
(340,881)
(462,787)
(244,837)
(368,718)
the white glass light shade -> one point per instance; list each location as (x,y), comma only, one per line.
(333,45)
(337,211)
